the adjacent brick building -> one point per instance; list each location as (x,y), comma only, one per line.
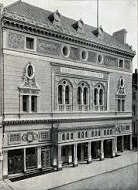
(135,107)
(67,94)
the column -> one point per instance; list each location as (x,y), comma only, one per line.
(59,159)
(131,142)
(75,160)
(24,157)
(70,154)
(54,155)
(102,151)
(113,148)
(82,89)
(39,165)
(122,148)
(5,164)
(89,153)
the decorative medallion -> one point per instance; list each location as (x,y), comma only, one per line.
(30,136)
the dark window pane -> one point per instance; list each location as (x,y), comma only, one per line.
(34,103)
(60,94)
(95,96)
(71,136)
(67,95)
(79,95)
(123,105)
(29,43)
(119,105)
(25,102)
(85,96)
(101,97)
(31,158)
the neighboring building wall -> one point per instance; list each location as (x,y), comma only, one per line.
(135,107)
(1,91)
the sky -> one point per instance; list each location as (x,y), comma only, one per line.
(113,15)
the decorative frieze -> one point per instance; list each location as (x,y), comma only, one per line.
(110,61)
(48,48)
(74,53)
(91,56)
(16,41)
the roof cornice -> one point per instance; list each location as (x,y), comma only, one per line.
(26,25)
(64,120)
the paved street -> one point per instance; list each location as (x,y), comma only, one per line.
(70,174)
(124,178)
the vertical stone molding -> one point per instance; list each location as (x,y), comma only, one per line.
(89,153)
(75,160)
(102,150)
(39,165)
(59,159)
(5,164)
(24,152)
(131,142)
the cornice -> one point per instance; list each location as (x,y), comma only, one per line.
(64,120)
(21,24)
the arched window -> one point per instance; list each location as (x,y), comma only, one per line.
(95,96)
(60,92)
(71,136)
(82,135)
(78,135)
(99,97)
(67,136)
(86,134)
(64,96)
(63,136)
(67,94)
(92,134)
(83,96)
(79,95)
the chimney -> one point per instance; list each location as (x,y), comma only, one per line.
(120,36)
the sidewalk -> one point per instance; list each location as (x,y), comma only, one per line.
(70,174)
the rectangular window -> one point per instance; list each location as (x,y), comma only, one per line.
(15,138)
(31,158)
(127,127)
(45,135)
(25,102)
(121,63)
(34,103)
(29,43)
(119,105)
(123,105)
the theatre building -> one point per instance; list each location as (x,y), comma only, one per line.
(67,91)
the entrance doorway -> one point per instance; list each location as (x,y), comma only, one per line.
(82,152)
(31,158)
(46,157)
(95,149)
(108,148)
(127,142)
(15,161)
(119,143)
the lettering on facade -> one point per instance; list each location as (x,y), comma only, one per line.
(81,72)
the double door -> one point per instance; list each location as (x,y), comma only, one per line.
(46,157)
